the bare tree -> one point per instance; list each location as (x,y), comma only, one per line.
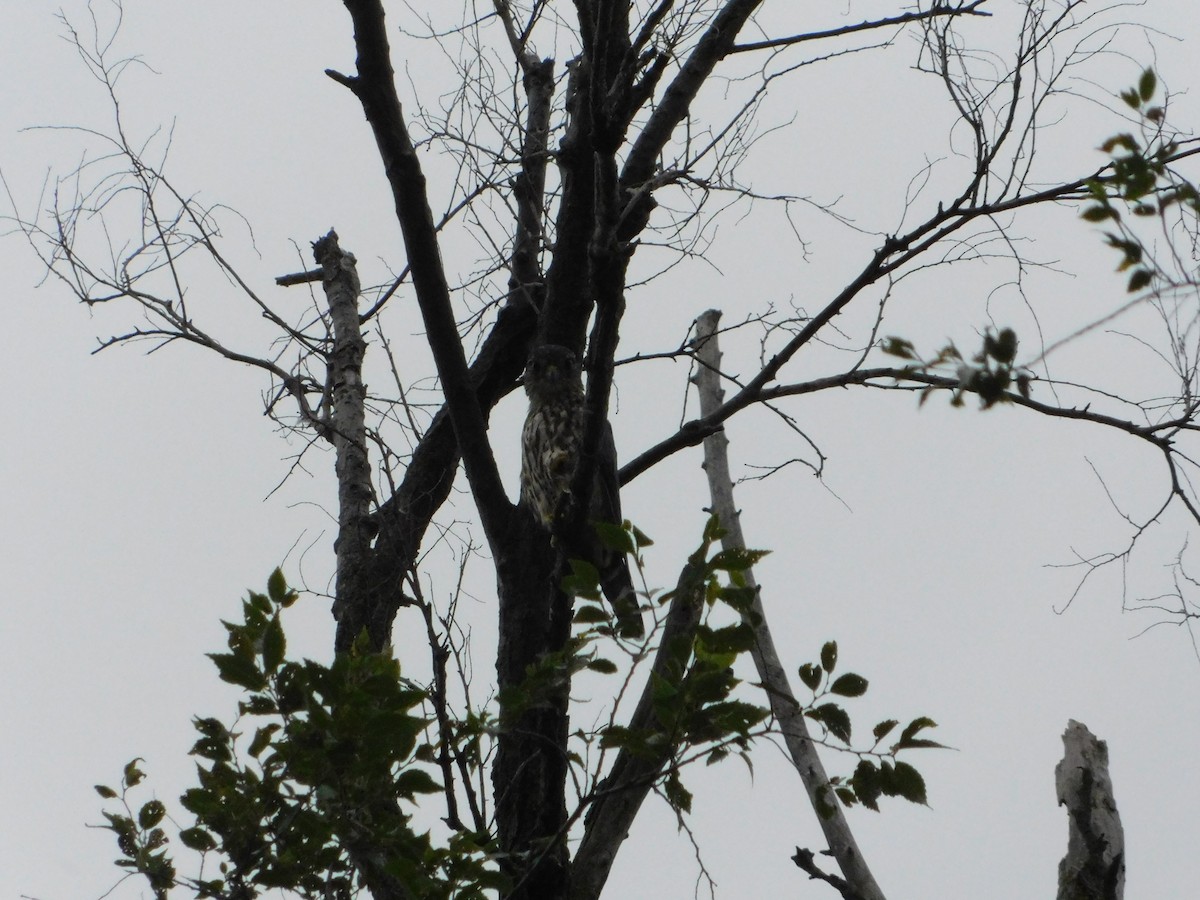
(581,134)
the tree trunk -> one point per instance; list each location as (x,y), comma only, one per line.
(1094,867)
(530,772)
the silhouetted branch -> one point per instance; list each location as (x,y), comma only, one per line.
(374,85)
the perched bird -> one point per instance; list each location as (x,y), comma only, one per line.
(551,443)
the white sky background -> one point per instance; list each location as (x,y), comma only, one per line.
(134,485)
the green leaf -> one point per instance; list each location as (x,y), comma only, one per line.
(810,675)
(909,784)
(849,685)
(736,559)
(713,530)
(416,781)
(1146,85)
(1098,213)
(1138,280)
(896,346)
(1003,347)
(728,641)
(151,814)
(617,736)
(200,802)
(829,655)
(584,580)
(715,756)
(277,586)
(615,537)
(677,795)
(210,727)
(1125,141)
(207,748)
(132,774)
(262,739)
(258,705)
(106,792)
(741,598)
(259,603)
(215,743)
(237,669)
(274,644)
(883,729)
(834,718)
(846,795)
(591,614)
(912,729)
(603,666)
(641,538)
(197,839)
(922,744)
(865,782)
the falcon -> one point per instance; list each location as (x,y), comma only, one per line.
(551,443)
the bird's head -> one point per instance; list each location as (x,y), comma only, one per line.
(552,371)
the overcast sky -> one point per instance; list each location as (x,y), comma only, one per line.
(136,486)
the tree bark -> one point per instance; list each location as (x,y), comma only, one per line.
(529,775)
(349,434)
(1094,867)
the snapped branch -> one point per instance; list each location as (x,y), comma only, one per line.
(375,87)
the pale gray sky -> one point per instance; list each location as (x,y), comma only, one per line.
(134,484)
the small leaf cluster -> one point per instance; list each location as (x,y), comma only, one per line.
(545,679)
(336,758)
(878,772)
(1140,180)
(700,710)
(696,714)
(140,836)
(818,678)
(872,780)
(583,583)
(990,374)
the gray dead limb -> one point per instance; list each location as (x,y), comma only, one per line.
(859,882)
(1094,867)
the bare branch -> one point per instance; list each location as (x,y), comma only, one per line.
(936,11)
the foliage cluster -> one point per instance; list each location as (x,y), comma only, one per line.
(1144,181)
(324,759)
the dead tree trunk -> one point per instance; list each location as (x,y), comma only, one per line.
(1094,867)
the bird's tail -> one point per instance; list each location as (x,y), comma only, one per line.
(617,584)
(612,562)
